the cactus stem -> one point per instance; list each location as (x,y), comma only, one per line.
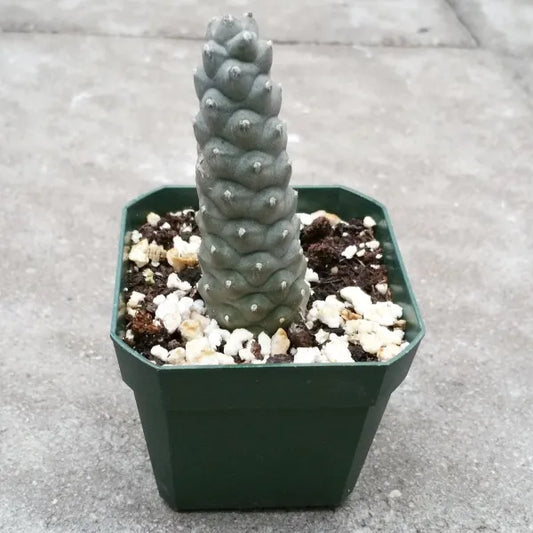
(257,167)
(227,194)
(283,285)
(272,201)
(259,266)
(284,233)
(242,232)
(253,308)
(228,283)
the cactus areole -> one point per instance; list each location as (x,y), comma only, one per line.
(253,267)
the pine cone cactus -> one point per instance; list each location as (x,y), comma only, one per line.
(253,267)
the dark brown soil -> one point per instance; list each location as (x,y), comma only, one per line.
(323,245)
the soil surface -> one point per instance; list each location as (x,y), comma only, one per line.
(323,245)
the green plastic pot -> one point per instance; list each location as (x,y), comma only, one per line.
(260,436)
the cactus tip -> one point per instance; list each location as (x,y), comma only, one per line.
(215,151)
(302,292)
(282,320)
(207,50)
(228,283)
(241,232)
(249,14)
(207,287)
(283,285)
(210,103)
(213,249)
(284,233)
(272,201)
(257,167)
(247,36)
(269,43)
(203,209)
(226,318)
(227,194)
(268,86)
(259,266)
(244,125)
(253,308)
(300,251)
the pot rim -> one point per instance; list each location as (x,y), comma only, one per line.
(116,338)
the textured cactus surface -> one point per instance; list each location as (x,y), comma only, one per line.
(253,266)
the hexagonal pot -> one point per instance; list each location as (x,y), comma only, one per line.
(259,436)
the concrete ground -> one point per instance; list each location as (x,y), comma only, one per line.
(425,104)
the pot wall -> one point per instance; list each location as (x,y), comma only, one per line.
(254,436)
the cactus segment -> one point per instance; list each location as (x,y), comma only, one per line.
(252,262)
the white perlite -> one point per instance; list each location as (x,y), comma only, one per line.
(136,236)
(327,311)
(153,219)
(372,336)
(311,276)
(265,343)
(172,310)
(359,299)
(336,350)
(139,253)
(369,222)
(306,355)
(134,302)
(382,288)
(184,247)
(321,336)
(236,341)
(174,282)
(383,313)
(349,251)
(159,352)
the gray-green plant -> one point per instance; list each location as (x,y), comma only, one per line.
(253,267)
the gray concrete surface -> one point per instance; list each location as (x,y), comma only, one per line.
(500,25)
(401,22)
(443,135)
